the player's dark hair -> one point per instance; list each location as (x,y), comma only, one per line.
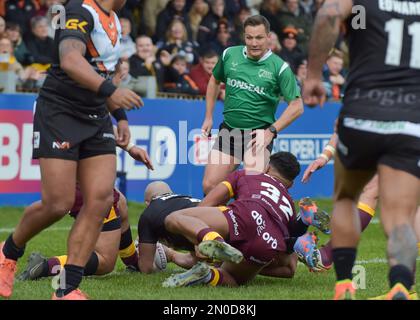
(258,20)
(286,164)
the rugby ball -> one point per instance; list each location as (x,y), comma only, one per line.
(160,262)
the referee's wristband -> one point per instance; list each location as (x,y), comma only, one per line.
(129,147)
(106,89)
(119,115)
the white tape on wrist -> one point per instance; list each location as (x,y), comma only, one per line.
(129,146)
(330,148)
(322,155)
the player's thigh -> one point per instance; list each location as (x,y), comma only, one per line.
(58,183)
(96,177)
(211,216)
(399,195)
(348,184)
(107,248)
(242,272)
(370,193)
(218,168)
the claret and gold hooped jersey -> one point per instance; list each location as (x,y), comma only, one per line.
(100,31)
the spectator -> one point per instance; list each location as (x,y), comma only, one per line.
(275,45)
(233,7)
(307,5)
(9,63)
(40,45)
(128,47)
(208,26)
(254,5)
(177,42)
(333,75)
(177,79)
(20,12)
(45,6)
(21,52)
(223,38)
(271,10)
(315,7)
(144,62)
(290,52)
(239,20)
(302,71)
(175,9)
(2,27)
(293,14)
(151,9)
(198,11)
(202,72)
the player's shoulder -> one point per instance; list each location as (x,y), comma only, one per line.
(278,64)
(78,8)
(232,51)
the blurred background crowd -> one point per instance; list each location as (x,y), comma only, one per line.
(169,47)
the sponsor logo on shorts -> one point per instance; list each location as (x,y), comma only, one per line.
(343,148)
(36,139)
(109,136)
(61,145)
(235,223)
(261,227)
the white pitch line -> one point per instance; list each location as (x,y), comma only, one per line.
(9,230)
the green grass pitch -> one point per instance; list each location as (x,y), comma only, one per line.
(123,285)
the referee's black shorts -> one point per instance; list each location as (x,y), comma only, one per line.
(234,142)
(59,132)
(363,144)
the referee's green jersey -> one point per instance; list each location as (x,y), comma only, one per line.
(254,88)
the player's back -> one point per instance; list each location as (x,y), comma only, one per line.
(100,31)
(265,190)
(384,77)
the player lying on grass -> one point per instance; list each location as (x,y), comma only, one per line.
(115,238)
(161,202)
(261,227)
(368,200)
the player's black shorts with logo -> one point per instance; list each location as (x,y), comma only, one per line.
(234,141)
(365,143)
(63,133)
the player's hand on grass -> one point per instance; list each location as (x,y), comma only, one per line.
(124,98)
(314,93)
(317,164)
(206,127)
(123,133)
(141,155)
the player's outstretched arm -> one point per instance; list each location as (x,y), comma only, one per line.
(213,89)
(323,158)
(324,35)
(218,196)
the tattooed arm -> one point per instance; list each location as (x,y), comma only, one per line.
(324,35)
(73,62)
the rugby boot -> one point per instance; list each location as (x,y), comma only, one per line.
(220,250)
(7,274)
(398,292)
(312,216)
(34,268)
(198,274)
(345,290)
(74,295)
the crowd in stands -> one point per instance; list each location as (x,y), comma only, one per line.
(174,42)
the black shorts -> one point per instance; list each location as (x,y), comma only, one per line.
(60,133)
(234,141)
(363,144)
